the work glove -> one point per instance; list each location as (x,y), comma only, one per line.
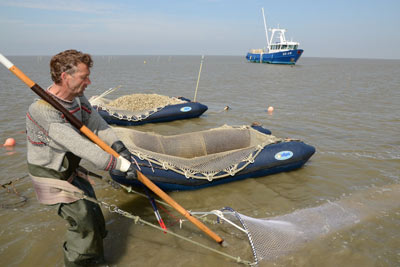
(131,173)
(120,148)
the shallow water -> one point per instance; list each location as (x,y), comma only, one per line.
(346,108)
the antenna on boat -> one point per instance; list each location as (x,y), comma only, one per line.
(265,26)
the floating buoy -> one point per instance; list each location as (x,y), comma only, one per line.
(9,142)
(270,109)
(144,62)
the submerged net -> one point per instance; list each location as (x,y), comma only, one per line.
(134,107)
(271,238)
(209,154)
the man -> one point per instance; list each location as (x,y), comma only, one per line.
(55,149)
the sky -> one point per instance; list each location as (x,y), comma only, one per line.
(324,28)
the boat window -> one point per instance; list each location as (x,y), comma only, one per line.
(284,46)
(295,47)
(290,46)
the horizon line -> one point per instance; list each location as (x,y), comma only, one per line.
(152,55)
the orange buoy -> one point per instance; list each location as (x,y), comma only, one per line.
(9,142)
(270,109)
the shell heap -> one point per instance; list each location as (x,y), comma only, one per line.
(137,102)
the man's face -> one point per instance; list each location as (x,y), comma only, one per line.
(78,81)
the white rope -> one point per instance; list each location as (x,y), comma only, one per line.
(106,93)
(220,215)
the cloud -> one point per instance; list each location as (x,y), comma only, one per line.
(81,6)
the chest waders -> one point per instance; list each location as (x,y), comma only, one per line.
(86,225)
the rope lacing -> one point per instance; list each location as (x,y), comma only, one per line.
(209,176)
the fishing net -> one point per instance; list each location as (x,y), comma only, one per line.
(210,154)
(271,238)
(134,107)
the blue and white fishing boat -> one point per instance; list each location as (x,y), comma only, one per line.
(278,50)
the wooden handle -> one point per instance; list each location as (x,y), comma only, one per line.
(146,181)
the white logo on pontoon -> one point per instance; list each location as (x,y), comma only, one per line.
(186,109)
(283,155)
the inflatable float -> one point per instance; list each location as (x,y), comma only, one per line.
(138,109)
(206,158)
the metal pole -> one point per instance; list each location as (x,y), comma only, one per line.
(266,30)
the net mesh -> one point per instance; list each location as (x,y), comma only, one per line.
(209,154)
(271,238)
(134,107)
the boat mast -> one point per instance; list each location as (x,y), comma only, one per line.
(265,26)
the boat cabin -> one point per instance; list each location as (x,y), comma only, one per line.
(279,43)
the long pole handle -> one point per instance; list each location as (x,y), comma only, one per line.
(79,125)
(178,207)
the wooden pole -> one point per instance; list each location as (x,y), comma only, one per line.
(198,79)
(178,207)
(79,125)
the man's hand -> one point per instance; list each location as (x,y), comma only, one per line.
(129,173)
(121,149)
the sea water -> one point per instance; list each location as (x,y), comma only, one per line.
(347,108)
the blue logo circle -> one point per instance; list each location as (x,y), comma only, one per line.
(283,155)
(186,109)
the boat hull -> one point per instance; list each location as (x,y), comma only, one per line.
(169,113)
(267,162)
(287,57)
